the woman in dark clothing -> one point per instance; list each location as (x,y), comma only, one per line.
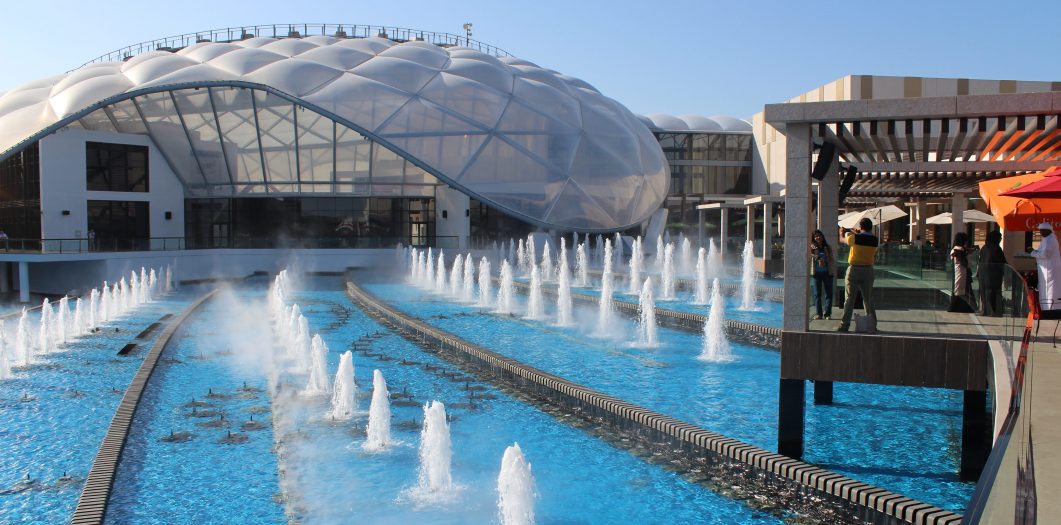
(961,300)
(992,264)
(822,264)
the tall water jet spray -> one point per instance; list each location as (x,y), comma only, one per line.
(646,317)
(468,290)
(747,277)
(5,357)
(657,262)
(547,263)
(521,257)
(532,256)
(318,373)
(62,318)
(435,479)
(344,389)
(506,290)
(456,277)
(93,309)
(700,294)
(515,489)
(23,351)
(429,271)
(636,260)
(44,335)
(78,328)
(485,282)
(600,250)
(414,266)
(563,293)
(379,415)
(440,274)
(716,345)
(667,278)
(685,260)
(511,251)
(581,266)
(605,312)
(714,261)
(535,307)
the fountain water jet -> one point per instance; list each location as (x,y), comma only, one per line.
(667,279)
(535,307)
(646,313)
(521,258)
(747,277)
(429,271)
(563,295)
(468,291)
(685,259)
(581,266)
(714,261)
(23,351)
(547,263)
(636,261)
(657,262)
(617,248)
(485,282)
(379,415)
(5,359)
(44,336)
(344,389)
(506,290)
(605,313)
(440,274)
(455,276)
(435,479)
(515,489)
(716,345)
(700,296)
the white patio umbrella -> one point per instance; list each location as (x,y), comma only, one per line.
(967,216)
(878,215)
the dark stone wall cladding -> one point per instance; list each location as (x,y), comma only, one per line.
(733,468)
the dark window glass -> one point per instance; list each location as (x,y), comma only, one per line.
(119,225)
(116,167)
(339,222)
(20,205)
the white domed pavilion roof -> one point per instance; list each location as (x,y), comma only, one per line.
(723,123)
(537,144)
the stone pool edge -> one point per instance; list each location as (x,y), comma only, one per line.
(857,499)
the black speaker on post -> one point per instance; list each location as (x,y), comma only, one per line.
(825,159)
(848,180)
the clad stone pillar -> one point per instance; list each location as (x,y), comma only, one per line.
(828,201)
(797,227)
(23,282)
(959,203)
(768,229)
(749,225)
(723,230)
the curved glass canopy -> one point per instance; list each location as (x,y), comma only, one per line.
(365,116)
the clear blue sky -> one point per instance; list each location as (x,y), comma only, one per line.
(670,56)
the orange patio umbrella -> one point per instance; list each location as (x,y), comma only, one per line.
(1017,213)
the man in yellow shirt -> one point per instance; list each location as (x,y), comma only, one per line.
(860,272)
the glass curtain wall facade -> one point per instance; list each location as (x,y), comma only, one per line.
(20,196)
(704,164)
(236,141)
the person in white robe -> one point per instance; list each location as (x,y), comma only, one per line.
(1048,262)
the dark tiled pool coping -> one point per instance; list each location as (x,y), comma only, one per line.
(92,506)
(856,499)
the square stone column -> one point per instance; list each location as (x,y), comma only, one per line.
(768,229)
(797,227)
(959,203)
(828,201)
(723,230)
(749,224)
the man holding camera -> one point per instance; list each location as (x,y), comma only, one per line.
(859,277)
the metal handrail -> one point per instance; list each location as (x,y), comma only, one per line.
(233,34)
(76,245)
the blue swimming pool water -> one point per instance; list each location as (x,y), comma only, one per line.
(580,479)
(903,439)
(766,313)
(203,480)
(55,415)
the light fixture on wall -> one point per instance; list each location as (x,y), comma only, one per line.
(169,215)
(66,212)
(445,214)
